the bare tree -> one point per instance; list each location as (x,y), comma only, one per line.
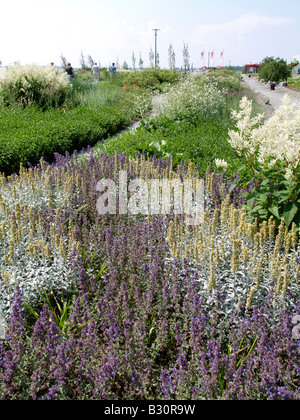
(157,59)
(133,59)
(141,62)
(82,61)
(90,61)
(186,57)
(63,61)
(151,57)
(171,57)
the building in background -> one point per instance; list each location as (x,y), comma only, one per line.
(251,68)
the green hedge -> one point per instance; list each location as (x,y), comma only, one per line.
(201,141)
(151,78)
(29,134)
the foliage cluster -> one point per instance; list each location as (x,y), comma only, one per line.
(189,139)
(271,154)
(274,69)
(152,78)
(28,134)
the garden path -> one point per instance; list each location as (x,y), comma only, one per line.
(273,96)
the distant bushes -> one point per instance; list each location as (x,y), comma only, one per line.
(151,78)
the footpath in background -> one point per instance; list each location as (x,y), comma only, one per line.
(275,96)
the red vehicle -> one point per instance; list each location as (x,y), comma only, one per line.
(251,68)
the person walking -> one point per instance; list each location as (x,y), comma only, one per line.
(70,71)
(113,70)
(96,72)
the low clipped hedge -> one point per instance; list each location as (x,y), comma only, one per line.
(202,141)
(26,135)
(151,78)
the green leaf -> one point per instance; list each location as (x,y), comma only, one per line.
(275,211)
(233,186)
(289,212)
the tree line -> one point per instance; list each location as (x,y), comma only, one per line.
(87,62)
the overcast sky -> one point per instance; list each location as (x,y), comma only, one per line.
(38,31)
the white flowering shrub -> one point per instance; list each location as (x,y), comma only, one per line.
(271,152)
(190,98)
(31,84)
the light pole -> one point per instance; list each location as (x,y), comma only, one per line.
(208,59)
(155,30)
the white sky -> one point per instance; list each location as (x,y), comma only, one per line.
(38,31)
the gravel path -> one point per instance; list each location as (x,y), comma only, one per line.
(270,98)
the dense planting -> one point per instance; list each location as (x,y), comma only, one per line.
(150,326)
(143,306)
(24,86)
(26,135)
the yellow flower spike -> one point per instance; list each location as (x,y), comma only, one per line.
(245,254)
(56,180)
(57,213)
(171,232)
(3,207)
(5,257)
(196,252)
(294,236)
(242,223)
(211,282)
(218,261)
(223,250)
(31,216)
(19,234)
(42,163)
(250,297)
(280,236)
(57,240)
(18,212)
(261,237)
(215,221)
(256,244)
(297,272)
(62,248)
(176,220)
(173,250)
(235,259)
(288,242)
(212,179)
(286,280)
(232,217)
(47,251)
(11,251)
(187,251)
(12,227)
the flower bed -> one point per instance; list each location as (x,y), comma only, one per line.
(148,325)
(143,305)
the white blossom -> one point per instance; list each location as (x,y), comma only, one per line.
(278,139)
(221,163)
